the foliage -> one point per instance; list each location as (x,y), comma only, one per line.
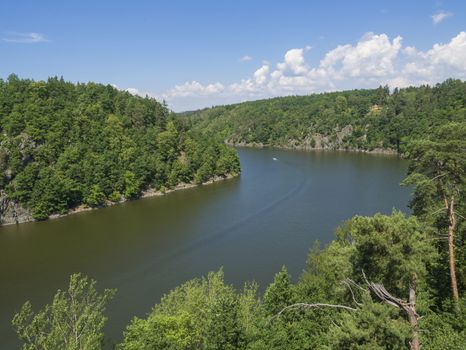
(374,118)
(373,326)
(438,173)
(73,321)
(206,309)
(64,144)
(279,293)
(387,249)
(131,143)
(444,330)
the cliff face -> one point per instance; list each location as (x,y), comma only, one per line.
(319,141)
(11,212)
(316,141)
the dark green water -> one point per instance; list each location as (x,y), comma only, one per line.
(251,226)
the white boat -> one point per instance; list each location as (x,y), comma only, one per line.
(274,158)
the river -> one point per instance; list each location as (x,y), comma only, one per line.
(252,225)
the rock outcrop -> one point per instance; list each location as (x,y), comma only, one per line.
(317,141)
(11,212)
(323,142)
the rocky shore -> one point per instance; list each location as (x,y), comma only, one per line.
(11,212)
(320,142)
(305,147)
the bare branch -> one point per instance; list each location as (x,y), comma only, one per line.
(347,283)
(384,295)
(436,177)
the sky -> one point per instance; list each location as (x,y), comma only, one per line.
(196,54)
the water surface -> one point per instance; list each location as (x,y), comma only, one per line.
(250,225)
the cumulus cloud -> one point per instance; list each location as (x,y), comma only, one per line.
(440,16)
(375,59)
(134,91)
(245,58)
(294,62)
(24,38)
(260,75)
(373,56)
(440,62)
(137,92)
(192,88)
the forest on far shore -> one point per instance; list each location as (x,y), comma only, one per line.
(355,119)
(63,145)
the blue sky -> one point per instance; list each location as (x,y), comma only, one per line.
(201,53)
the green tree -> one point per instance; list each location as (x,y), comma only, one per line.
(73,321)
(374,326)
(161,332)
(438,171)
(388,249)
(206,309)
(95,197)
(444,330)
(167,142)
(65,144)
(279,293)
(131,185)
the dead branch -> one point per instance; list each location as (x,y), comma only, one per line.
(409,307)
(348,283)
(436,177)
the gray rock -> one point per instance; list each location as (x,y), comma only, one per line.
(11,212)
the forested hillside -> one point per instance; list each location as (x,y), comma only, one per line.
(357,119)
(64,144)
(385,282)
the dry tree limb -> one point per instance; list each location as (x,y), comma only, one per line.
(378,289)
(409,307)
(348,282)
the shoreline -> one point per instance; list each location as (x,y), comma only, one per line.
(378,151)
(151,192)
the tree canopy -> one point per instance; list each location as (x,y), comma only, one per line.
(64,144)
(385,282)
(355,119)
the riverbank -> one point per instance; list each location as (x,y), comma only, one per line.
(300,147)
(12,217)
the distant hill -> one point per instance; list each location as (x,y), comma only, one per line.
(366,120)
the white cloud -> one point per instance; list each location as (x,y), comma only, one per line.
(133,91)
(137,92)
(374,60)
(372,56)
(245,58)
(410,51)
(399,82)
(440,16)
(260,75)
(24,38)
(193,88)
(438,63)
(294,62)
